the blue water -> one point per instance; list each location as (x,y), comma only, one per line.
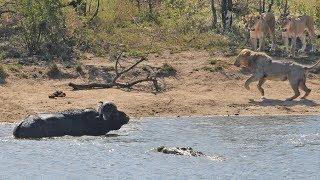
(239,147)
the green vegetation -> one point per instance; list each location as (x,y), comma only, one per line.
(3,73)
(79,68)
(14,67)
(53,71)
(212,68)
(213,62)
(43,28)
(54,29)
(110,68)
(167,70)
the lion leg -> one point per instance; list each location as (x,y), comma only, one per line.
(303,86)
(293,45)
(295,87)
(261,44)
(313,37)
(252,79)
(286,43)
(273,39)
(259,85)
(304,43)
(254,43)
(285,39)
(312,34)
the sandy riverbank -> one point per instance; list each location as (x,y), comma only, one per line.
(193,91)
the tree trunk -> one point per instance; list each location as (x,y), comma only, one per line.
(138,4)
(150,5)
(226,13)
(270,5)
(285,9)
(230,7)
(262,4)
(214,15)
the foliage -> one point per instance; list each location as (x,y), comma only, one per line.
(167,70)
(185,16)
(53,31)
(53,71)
(79,68)
(3,72)
(43,28)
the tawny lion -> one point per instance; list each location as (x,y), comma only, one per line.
(294,28)
(263,68)
(260,26)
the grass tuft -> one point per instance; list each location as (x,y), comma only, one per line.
(54,71)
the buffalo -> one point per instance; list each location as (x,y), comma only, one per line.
(77,122)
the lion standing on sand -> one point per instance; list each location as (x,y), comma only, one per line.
(260,26)
(295,28)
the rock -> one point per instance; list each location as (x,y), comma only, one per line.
(72,122)
(57,94)
(184,151)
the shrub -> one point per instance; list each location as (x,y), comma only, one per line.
(213,68)
(213,62)
(53,71)
(167,70)
(43,28)
(79,68)
(3,73)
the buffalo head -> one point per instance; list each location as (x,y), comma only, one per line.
(108,112)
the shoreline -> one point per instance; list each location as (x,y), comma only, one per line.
(193,91)
(151,118)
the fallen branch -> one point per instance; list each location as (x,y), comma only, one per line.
(111,85)
(118,74)
(89,86)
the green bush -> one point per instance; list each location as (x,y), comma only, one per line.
(44,29)
(53,71)
(167,70)
(3,73)
(184,16)
(79,68)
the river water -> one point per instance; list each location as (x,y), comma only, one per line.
(239,148)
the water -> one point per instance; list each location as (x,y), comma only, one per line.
(240,147)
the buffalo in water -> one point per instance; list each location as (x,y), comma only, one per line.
(73,123)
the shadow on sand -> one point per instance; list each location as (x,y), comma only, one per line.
(277,102)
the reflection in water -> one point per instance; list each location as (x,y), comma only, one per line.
(238,147)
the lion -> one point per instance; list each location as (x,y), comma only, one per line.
(294,27)
(264,68)
(260,26)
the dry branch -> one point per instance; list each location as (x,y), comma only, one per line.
(118,74)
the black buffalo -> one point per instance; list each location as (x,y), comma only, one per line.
(72,122)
